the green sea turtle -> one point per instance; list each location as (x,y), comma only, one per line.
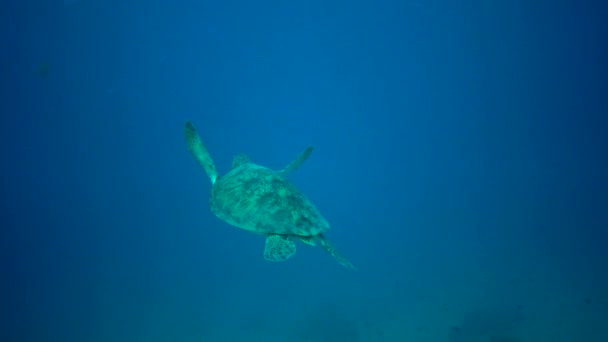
(263,201)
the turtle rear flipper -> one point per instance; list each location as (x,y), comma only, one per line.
(331,250)
(198,150)
(296,163)
(279,248)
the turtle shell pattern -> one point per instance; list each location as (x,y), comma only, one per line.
(260,200)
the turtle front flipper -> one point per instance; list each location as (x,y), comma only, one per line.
(279,248)
(331,250)
(296,163)
(198,150)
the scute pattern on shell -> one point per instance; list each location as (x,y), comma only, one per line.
(260,200)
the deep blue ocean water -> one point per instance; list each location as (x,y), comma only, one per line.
(461,155)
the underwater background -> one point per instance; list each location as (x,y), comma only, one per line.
(460,157)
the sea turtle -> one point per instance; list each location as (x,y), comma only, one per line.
(263,201)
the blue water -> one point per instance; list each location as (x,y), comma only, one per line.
(461,154)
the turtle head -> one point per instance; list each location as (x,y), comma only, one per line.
(239,160)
